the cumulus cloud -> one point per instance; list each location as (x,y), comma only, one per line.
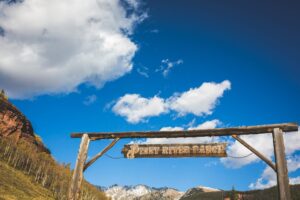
(167,65)
(269,179)
(206,125)
(197,101)
(136,108)
(264,144)
(170,128)
(50,47)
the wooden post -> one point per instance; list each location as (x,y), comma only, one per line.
(74,189)
(281,166)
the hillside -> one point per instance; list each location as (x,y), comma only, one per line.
(16,185)
(27,169)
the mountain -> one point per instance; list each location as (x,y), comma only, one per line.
(196,190)
(141,192)
(269,193)
(15,126)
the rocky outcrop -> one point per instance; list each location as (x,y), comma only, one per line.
(14,125)
(194,192)
(162,194)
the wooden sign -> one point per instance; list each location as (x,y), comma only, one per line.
(174,150)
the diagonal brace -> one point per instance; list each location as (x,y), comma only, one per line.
(248,146)
(90,162)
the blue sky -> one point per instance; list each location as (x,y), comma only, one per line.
(67,72)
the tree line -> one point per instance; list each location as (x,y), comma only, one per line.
(43,169)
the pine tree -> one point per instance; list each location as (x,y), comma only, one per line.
(234,195)
(3,95)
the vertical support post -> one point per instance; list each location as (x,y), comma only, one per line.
(74,189)
(282,171)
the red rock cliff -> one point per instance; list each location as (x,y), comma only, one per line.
(14,125)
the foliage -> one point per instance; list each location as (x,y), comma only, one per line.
(270,194)
(43,170)
(3,95)
(38,138)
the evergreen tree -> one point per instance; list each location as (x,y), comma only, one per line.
(3,95)
(234,195)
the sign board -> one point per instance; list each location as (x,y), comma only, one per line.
(174,150)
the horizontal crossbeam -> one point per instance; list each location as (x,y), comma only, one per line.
(243,130)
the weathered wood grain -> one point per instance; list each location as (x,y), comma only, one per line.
(246,130)
(282,171)
(74,189)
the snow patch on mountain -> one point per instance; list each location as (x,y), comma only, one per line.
(195,190)
(141,192)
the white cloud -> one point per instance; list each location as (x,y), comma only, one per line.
(136,108)
(292,142)
(167,65)
(90,100)
(269,179)
(197,101)
(143,71)
(264,144)
(295,180)
(169,128)
(206,125)
(51,47)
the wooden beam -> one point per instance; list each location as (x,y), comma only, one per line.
(282,171)
(246,130)
(253,150)
(74,189)
(89,163)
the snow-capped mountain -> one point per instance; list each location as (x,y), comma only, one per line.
(198,189)
(141,192)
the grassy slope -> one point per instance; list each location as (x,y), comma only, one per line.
(15,185)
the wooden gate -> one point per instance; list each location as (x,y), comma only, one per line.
(277,130)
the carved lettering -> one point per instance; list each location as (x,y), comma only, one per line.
(174,150)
